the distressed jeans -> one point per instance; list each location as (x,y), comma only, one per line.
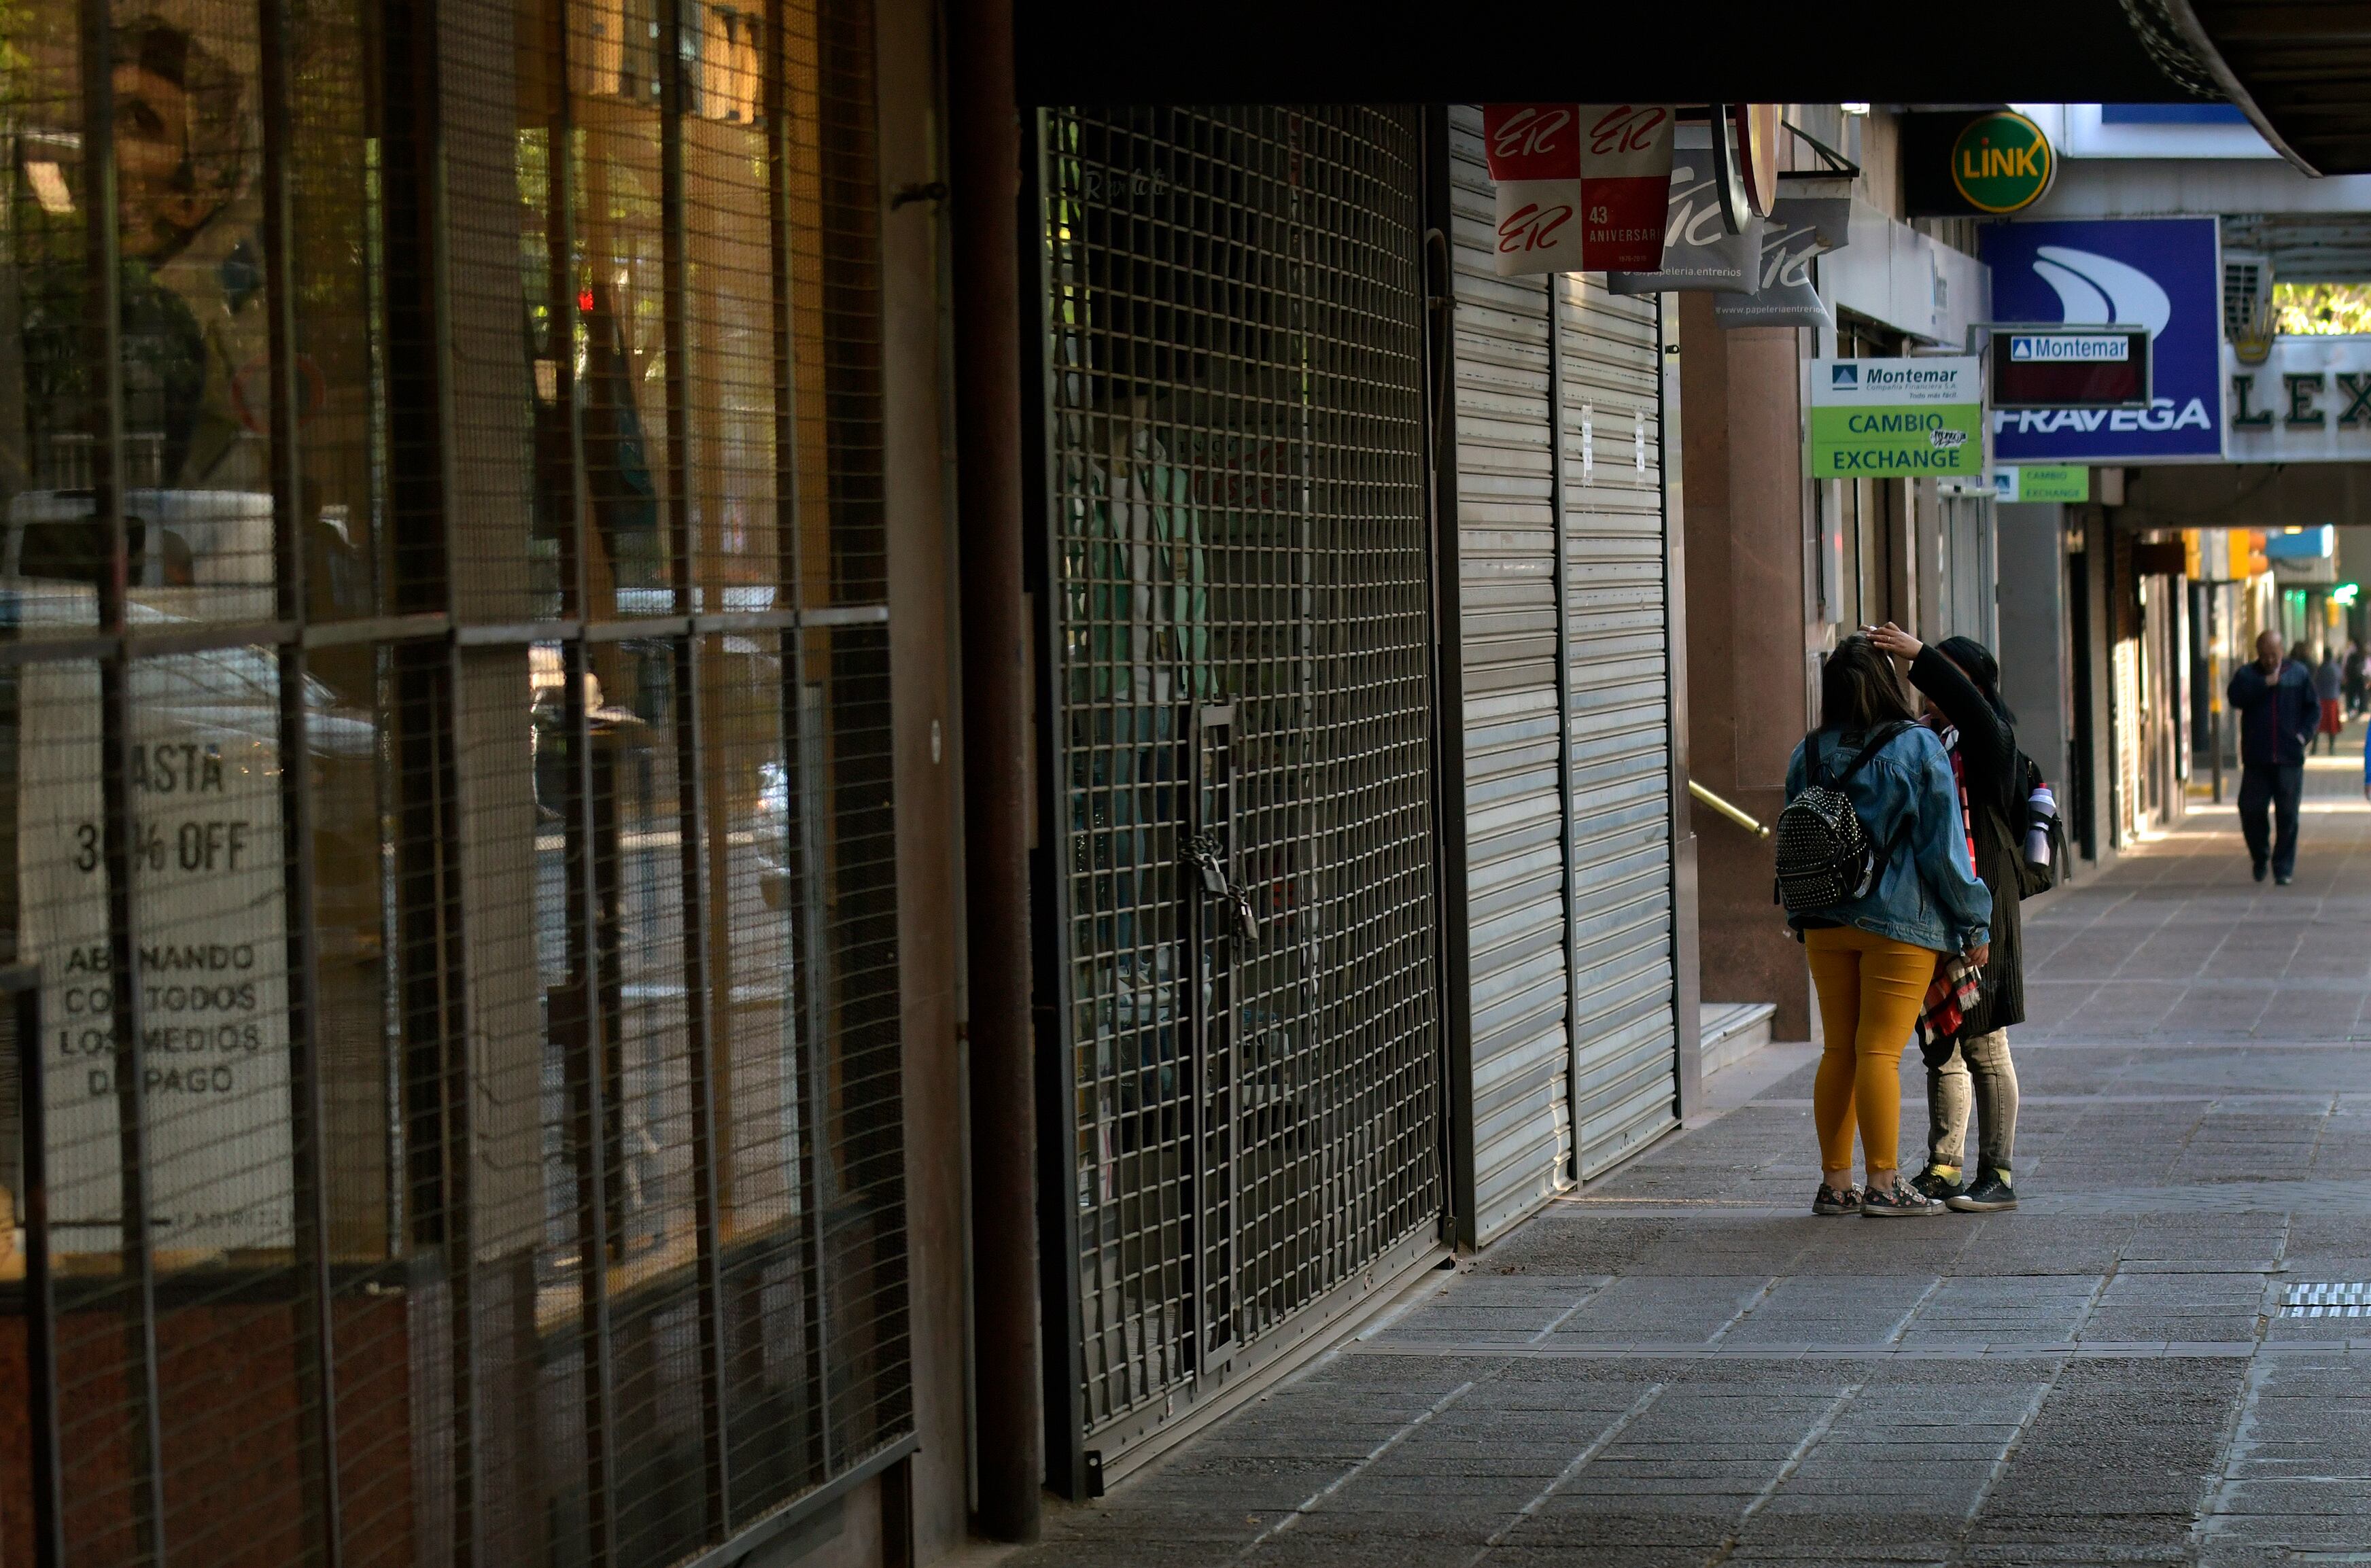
(1979,1075)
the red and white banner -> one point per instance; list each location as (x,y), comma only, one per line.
(1579,186)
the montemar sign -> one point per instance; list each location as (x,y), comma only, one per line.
(2002,163)
(1889,417)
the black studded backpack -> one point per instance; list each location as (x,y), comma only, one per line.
(1827,855)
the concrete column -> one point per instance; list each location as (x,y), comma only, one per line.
(2035,680)
(1687,962)
(2096,744)
(929,758)
(1748,639)
(1910,557)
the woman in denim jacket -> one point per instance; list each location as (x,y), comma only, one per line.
(1873,957)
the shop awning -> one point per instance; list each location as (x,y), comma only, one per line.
(2301,69)
(1402,52)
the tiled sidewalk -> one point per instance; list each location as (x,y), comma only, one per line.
(1678,1366)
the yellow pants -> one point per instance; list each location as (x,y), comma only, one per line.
(1870,991)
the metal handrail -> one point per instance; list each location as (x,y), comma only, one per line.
(1725,809)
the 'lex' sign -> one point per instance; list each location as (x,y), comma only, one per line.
(2308,402)
(2162,275)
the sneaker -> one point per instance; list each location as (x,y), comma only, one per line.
(1904,1199)
(2284,879)
(2261,867)
(1828,1201)
(1939,1182)
(1989,1194)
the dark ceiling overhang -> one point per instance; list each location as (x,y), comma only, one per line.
(1593,51)
(2246,495)
(2301,70)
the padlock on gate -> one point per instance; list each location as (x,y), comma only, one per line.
(1208,857)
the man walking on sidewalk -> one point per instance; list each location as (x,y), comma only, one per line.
(2278,715)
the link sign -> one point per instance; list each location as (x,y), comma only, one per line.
(1874,419)
(2002,163)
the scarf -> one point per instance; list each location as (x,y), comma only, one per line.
(1949,735)
(1957,984)
(1951,997)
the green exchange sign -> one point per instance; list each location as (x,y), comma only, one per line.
(2002,163)
(1875,419)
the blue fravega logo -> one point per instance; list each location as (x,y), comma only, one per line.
(2098,290)
(2156,276)
(2095,289)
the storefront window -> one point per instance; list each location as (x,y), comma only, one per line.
(443,759)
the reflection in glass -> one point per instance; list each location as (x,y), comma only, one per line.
(600,935)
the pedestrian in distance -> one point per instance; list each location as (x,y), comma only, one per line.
(1960,681)
(2328,685)
(2278,717)
(1874,871)
(2355,681)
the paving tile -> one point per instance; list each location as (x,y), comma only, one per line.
(1677,1365)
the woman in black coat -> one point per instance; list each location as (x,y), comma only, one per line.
(1961,682)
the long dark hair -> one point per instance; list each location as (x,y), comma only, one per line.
(1976,661)
(1859,691)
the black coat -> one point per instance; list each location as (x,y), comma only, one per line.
(1997,786)
(2278,715)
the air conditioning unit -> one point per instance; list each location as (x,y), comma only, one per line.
(2248,316)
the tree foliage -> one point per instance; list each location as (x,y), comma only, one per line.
(2322,308)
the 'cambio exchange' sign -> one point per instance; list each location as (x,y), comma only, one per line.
(212,943)
(2161,275)
(1887,418)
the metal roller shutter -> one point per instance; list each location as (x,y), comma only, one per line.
(1625,1061)
(1514,826)
(1561,569)
(1239,616)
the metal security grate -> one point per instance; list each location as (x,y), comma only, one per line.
(2340,1298)
(453,1103)
(1241,633)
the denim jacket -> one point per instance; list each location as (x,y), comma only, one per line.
(1927,893)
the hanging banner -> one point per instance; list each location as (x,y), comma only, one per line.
(1534,155)
(1699,253)
(1625,184)
(1874,419)
(2160,274)
(1798,229)
(1578,187)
